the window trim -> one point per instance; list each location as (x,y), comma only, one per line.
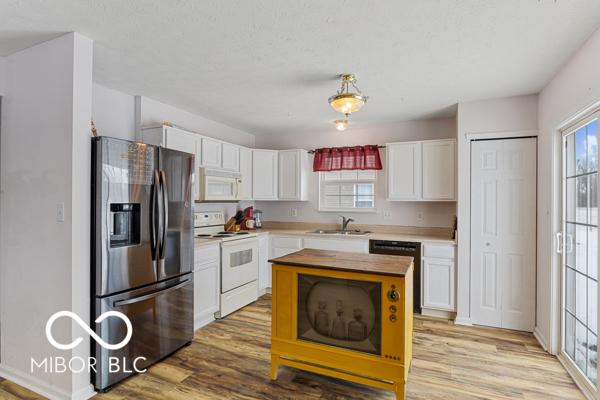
(373,181)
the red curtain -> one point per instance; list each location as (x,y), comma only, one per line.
(339,158)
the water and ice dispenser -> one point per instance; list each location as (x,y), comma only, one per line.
(125,224)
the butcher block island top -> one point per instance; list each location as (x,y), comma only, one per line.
(378,264)
(343,314)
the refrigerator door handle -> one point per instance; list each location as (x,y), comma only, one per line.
(165,205)
(156,293)
(154,218)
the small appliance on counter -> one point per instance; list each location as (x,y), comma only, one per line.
(239,261)
(258,219)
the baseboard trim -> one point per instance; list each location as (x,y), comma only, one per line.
(429,312)
(262,292)
(581,383)
(201,320)
(463,321)
(541,339)
(43,388)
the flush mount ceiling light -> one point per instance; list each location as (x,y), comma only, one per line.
(341,124)
(345,101)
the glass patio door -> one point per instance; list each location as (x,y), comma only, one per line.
(580,255)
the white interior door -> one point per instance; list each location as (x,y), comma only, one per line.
(503,233)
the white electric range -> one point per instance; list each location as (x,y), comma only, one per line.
(239,261)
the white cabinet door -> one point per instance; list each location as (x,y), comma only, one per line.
(283,245)
(180,140)
(206,293)
(503,233)
(438,283)
(404,171)
(246,172)
(264,268)
(211,153)
(352,245)
(230,159)
(207,284)
(264,174)
(293,175)
(439,169)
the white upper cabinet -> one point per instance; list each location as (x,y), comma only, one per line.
(230,159)
(246,172)
(264,174)
(293,175)
(421,171)
(211,153)
(173,138)
(404,171)
(439,170)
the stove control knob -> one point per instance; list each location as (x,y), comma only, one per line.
(393,294)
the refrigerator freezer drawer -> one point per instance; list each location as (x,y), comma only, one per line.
(162,319)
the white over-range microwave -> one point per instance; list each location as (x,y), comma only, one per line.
(217,185)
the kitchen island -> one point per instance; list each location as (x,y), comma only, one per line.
(345,315)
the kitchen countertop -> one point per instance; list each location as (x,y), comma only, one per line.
(345,261)
(373,235)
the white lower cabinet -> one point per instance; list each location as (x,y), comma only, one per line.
(353,245)
(437,275)
(207,284)
(284,245)
(264,268)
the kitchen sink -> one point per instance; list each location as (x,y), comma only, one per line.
(340,232)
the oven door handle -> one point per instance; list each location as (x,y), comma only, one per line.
(156,293)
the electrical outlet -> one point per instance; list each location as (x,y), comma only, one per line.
(420,216)
(294,212)
(387,214)
(60,212)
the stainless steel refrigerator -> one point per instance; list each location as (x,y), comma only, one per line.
(142,253)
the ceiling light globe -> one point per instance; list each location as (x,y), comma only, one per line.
(341,124)
(347,103)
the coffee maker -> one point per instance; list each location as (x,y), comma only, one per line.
(258,218)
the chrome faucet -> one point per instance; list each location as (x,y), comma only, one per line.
(345,222)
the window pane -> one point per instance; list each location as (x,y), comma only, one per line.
(581,199)
(570,336)
(593,200)
(592,146)
(570,155)
(580,346)
(592,310)
(581,297)
(592,258)
(592,357)
(581,248)
(570,199)
(570,245)
(331,202)
(570,290)
(580,151)
(365,188)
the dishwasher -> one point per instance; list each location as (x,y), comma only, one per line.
(410,249)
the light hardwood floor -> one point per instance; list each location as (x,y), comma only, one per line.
(229,359)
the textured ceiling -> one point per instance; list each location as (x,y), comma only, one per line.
(268,66)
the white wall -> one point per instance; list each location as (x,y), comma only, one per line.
(154,113)
(2,73)
(113,113)
(44,264)
(575,88)
(437,214)
(495,115)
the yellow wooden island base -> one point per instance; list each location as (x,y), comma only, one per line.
(345,315)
